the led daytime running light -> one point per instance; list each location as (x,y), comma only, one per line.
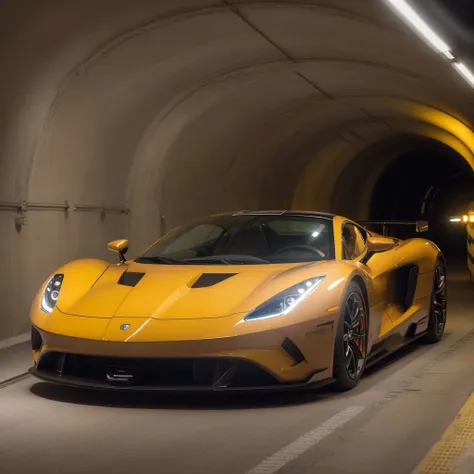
(51,293)
(286,301)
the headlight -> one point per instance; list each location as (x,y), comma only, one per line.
(284,302)
(51,293)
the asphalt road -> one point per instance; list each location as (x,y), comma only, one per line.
(386,425)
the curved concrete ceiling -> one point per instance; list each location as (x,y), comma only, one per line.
(179,108)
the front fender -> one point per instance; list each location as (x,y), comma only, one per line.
(79,277)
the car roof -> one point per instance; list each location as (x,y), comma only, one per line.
(325,215)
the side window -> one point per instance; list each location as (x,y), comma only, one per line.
(353,242)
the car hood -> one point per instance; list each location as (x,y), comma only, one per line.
(185,291)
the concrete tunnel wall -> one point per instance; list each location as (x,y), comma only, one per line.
(179,108)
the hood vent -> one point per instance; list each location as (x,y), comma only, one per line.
(211,279)
(130,278)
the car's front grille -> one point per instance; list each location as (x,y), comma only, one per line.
(176,372)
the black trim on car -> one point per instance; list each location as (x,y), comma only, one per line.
(210,279)
(130,278)
(293,351)
(193,374)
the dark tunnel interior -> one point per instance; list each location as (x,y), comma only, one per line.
(431,183)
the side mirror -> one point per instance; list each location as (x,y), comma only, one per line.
(379,244)
(120,247)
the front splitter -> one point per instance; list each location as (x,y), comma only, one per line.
(77,382)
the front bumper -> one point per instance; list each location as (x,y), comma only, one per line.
(275,359)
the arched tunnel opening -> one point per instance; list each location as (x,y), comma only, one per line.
(427,184)
(430,183)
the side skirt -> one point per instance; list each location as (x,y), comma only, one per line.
(393,343)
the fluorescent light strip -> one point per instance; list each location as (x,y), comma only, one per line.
(465,72)
(448,55)
(412,17)
(420,25)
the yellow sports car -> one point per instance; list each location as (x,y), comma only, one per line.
(246,300)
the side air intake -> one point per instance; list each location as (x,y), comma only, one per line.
(292,350)
(211,279)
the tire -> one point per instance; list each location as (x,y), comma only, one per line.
(437,317)
(350,347)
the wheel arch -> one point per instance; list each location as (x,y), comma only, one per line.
(363,286)
(360,281)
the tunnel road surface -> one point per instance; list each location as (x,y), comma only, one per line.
(386,425)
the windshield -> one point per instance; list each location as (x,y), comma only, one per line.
(245,239)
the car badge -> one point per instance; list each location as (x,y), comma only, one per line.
(124,327)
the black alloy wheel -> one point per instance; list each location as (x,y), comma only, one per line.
(438,311)
(350,351)
(354,337)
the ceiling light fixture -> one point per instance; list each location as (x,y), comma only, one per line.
(420,25)
(465,72)
(415,20)
(448,55)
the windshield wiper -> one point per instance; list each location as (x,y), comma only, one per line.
(165,260)
(208,260)
(227,259)
(212,259)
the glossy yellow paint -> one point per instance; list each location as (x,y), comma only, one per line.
(118,245)
(169,318)
(379,243)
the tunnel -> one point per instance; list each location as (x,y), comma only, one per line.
(127,119)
